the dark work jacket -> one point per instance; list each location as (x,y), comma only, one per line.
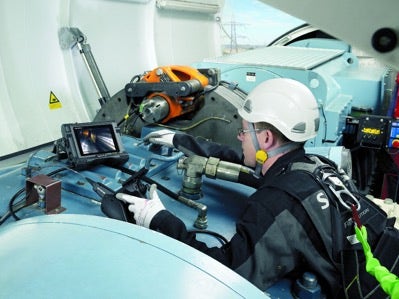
(275,238)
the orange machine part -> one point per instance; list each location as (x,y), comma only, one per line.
(175,73)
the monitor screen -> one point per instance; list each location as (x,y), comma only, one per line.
(88,144)
(95,139)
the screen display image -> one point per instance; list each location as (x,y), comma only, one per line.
(95,140)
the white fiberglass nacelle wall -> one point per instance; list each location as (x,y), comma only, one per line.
(43,85)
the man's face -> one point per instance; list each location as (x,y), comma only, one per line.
(247,145)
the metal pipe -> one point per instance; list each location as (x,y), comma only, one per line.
(202,220)
(94,72)
(195,166)
(71,36)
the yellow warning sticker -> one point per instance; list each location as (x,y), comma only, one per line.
(54,102)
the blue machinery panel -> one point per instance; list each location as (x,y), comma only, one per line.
(75,256)
(81,253)
(341,83)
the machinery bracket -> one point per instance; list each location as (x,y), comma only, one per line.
(46,191)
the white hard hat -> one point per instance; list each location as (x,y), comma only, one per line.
(286,104)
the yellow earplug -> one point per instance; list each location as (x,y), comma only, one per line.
(261,156)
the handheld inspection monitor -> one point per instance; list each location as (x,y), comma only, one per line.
(94,143)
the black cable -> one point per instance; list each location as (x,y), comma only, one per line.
(11,203)
(13,208)
(174,195)
(11,211)
(218,236)
(149,181)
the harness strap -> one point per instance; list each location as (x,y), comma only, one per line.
(346,256)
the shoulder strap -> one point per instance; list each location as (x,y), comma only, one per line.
(346,252)
(339,195)
(342,193)
(322,211)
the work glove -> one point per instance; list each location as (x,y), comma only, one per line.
(162,137)
(143,209)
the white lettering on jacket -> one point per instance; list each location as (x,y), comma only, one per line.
(322,198)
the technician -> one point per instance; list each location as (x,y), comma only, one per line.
(274,237)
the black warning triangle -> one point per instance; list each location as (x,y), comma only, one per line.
(53,98)
(54,102)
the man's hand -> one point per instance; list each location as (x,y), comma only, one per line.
(143,209)
(162,137)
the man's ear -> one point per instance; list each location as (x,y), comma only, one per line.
(266,139)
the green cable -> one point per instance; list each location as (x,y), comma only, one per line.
(389,282)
